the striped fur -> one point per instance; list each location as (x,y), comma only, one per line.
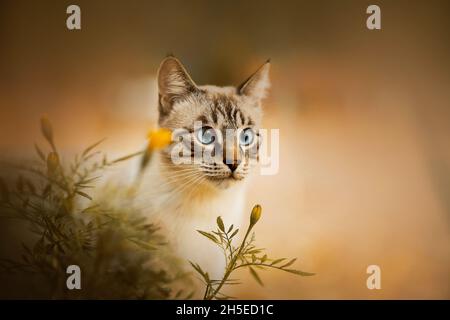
(182,103)
(189,197)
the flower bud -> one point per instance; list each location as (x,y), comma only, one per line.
(256,214)
(52,162)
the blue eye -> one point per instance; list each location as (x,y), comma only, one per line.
(206,135)
(246,137)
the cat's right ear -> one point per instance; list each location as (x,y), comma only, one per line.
(174,83)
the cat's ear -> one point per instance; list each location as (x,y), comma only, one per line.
(257,84)
(174,83)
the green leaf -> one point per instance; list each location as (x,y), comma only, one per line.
(128,157)
(84,194)
(255,276)
(87,181)
(220,235)
(201,272)
(221,296)
(220,224)
(289,263)
(277,261)
(230,228)
(231,282)
(264,258)
(90,208)
(197,268)
(300,273)
(234,233)
(94,145)
(90,156)
(209,236)
(142,244)
(83,186)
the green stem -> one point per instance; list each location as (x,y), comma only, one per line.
(206,292)
(229,245)
(230,267)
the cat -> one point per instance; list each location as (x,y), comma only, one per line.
(188,197)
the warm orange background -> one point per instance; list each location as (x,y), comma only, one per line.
(363,117)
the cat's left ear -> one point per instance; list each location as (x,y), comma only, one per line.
(257,84)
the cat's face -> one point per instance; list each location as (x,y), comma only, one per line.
(218,125)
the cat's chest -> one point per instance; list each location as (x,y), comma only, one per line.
(189,244)
(185,216)
(181,214)
(182,217)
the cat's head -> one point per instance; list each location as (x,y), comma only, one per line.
(221,122)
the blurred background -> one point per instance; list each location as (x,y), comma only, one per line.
(363,116)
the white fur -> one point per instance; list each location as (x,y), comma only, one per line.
(183,211)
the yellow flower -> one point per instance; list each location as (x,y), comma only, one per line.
(159,138)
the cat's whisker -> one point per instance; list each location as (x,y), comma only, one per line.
(170,181)
(170,171)
(189,184)
(172,164)
(180,166)
(175,177)
(194,187)
(176,166)
(170,176)
(153,194)
(179,189)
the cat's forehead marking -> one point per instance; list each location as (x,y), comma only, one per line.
(219,109)
(226,112)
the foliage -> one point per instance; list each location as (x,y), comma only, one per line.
(246,255)
(121,254)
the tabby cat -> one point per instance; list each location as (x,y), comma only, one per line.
(223,122)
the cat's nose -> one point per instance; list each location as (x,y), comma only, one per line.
(232,164)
